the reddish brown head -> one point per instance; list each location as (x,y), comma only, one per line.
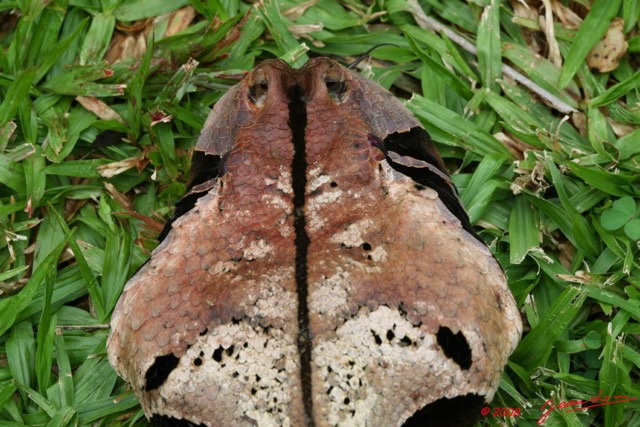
(327,274)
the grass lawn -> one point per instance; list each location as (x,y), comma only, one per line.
(535,109)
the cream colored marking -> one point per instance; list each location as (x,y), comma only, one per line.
(326,197)
(277,202)
(330,295)
(352,236)
(242,372)
(284,181)
(359,364)
(318,179)
(378,254)
(257,249)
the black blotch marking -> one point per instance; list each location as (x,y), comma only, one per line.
(367,246)
(376,337)
(376,142)
(455,346)
(460,411)
(298,124)
(165,421)
(406,341)
(204,167)
(158,373)
(197,361)
(217,354)
(333,184)
(390,335)
(417,144)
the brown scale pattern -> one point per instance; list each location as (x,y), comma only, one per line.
(388,267)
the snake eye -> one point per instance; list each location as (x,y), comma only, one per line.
(337,89)
(258,92)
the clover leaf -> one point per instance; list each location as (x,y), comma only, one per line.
(622,211)
(632,229)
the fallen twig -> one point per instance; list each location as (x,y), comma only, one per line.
(432,24)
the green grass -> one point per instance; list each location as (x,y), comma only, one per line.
(93,155)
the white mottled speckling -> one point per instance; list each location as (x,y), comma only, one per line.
(352,236)
(285,230)
(257,249)
(318,179)
(256,364)
(277,202)
(327,197)
(378,254)
(317,204)
(238,359)
(331,294)
(284,181)
(222,267)
(382,347)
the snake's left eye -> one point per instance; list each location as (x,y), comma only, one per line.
(258,92)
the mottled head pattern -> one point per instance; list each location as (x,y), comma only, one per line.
(320,272)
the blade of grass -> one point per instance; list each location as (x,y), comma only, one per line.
(15,95)
(616,91)
(134,10)
(97,39)
(535,348)
(488,46)
(524,230)
(451,128)
(12,306)
(20,350)
(593,27)
(45,338)
(65,374)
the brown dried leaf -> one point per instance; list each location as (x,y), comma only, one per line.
(604,57)
(567,17)
(516,146)
(126,46)
(566,253)
(531,179)
(99,108)
(580,122)
(179,20)
(546,23)
(620,129)
(150,223)
(232,35)
(115,168)
(296,12)
(301,30)
(120,198)
(523,10)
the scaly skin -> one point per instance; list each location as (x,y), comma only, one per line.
(313,289)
